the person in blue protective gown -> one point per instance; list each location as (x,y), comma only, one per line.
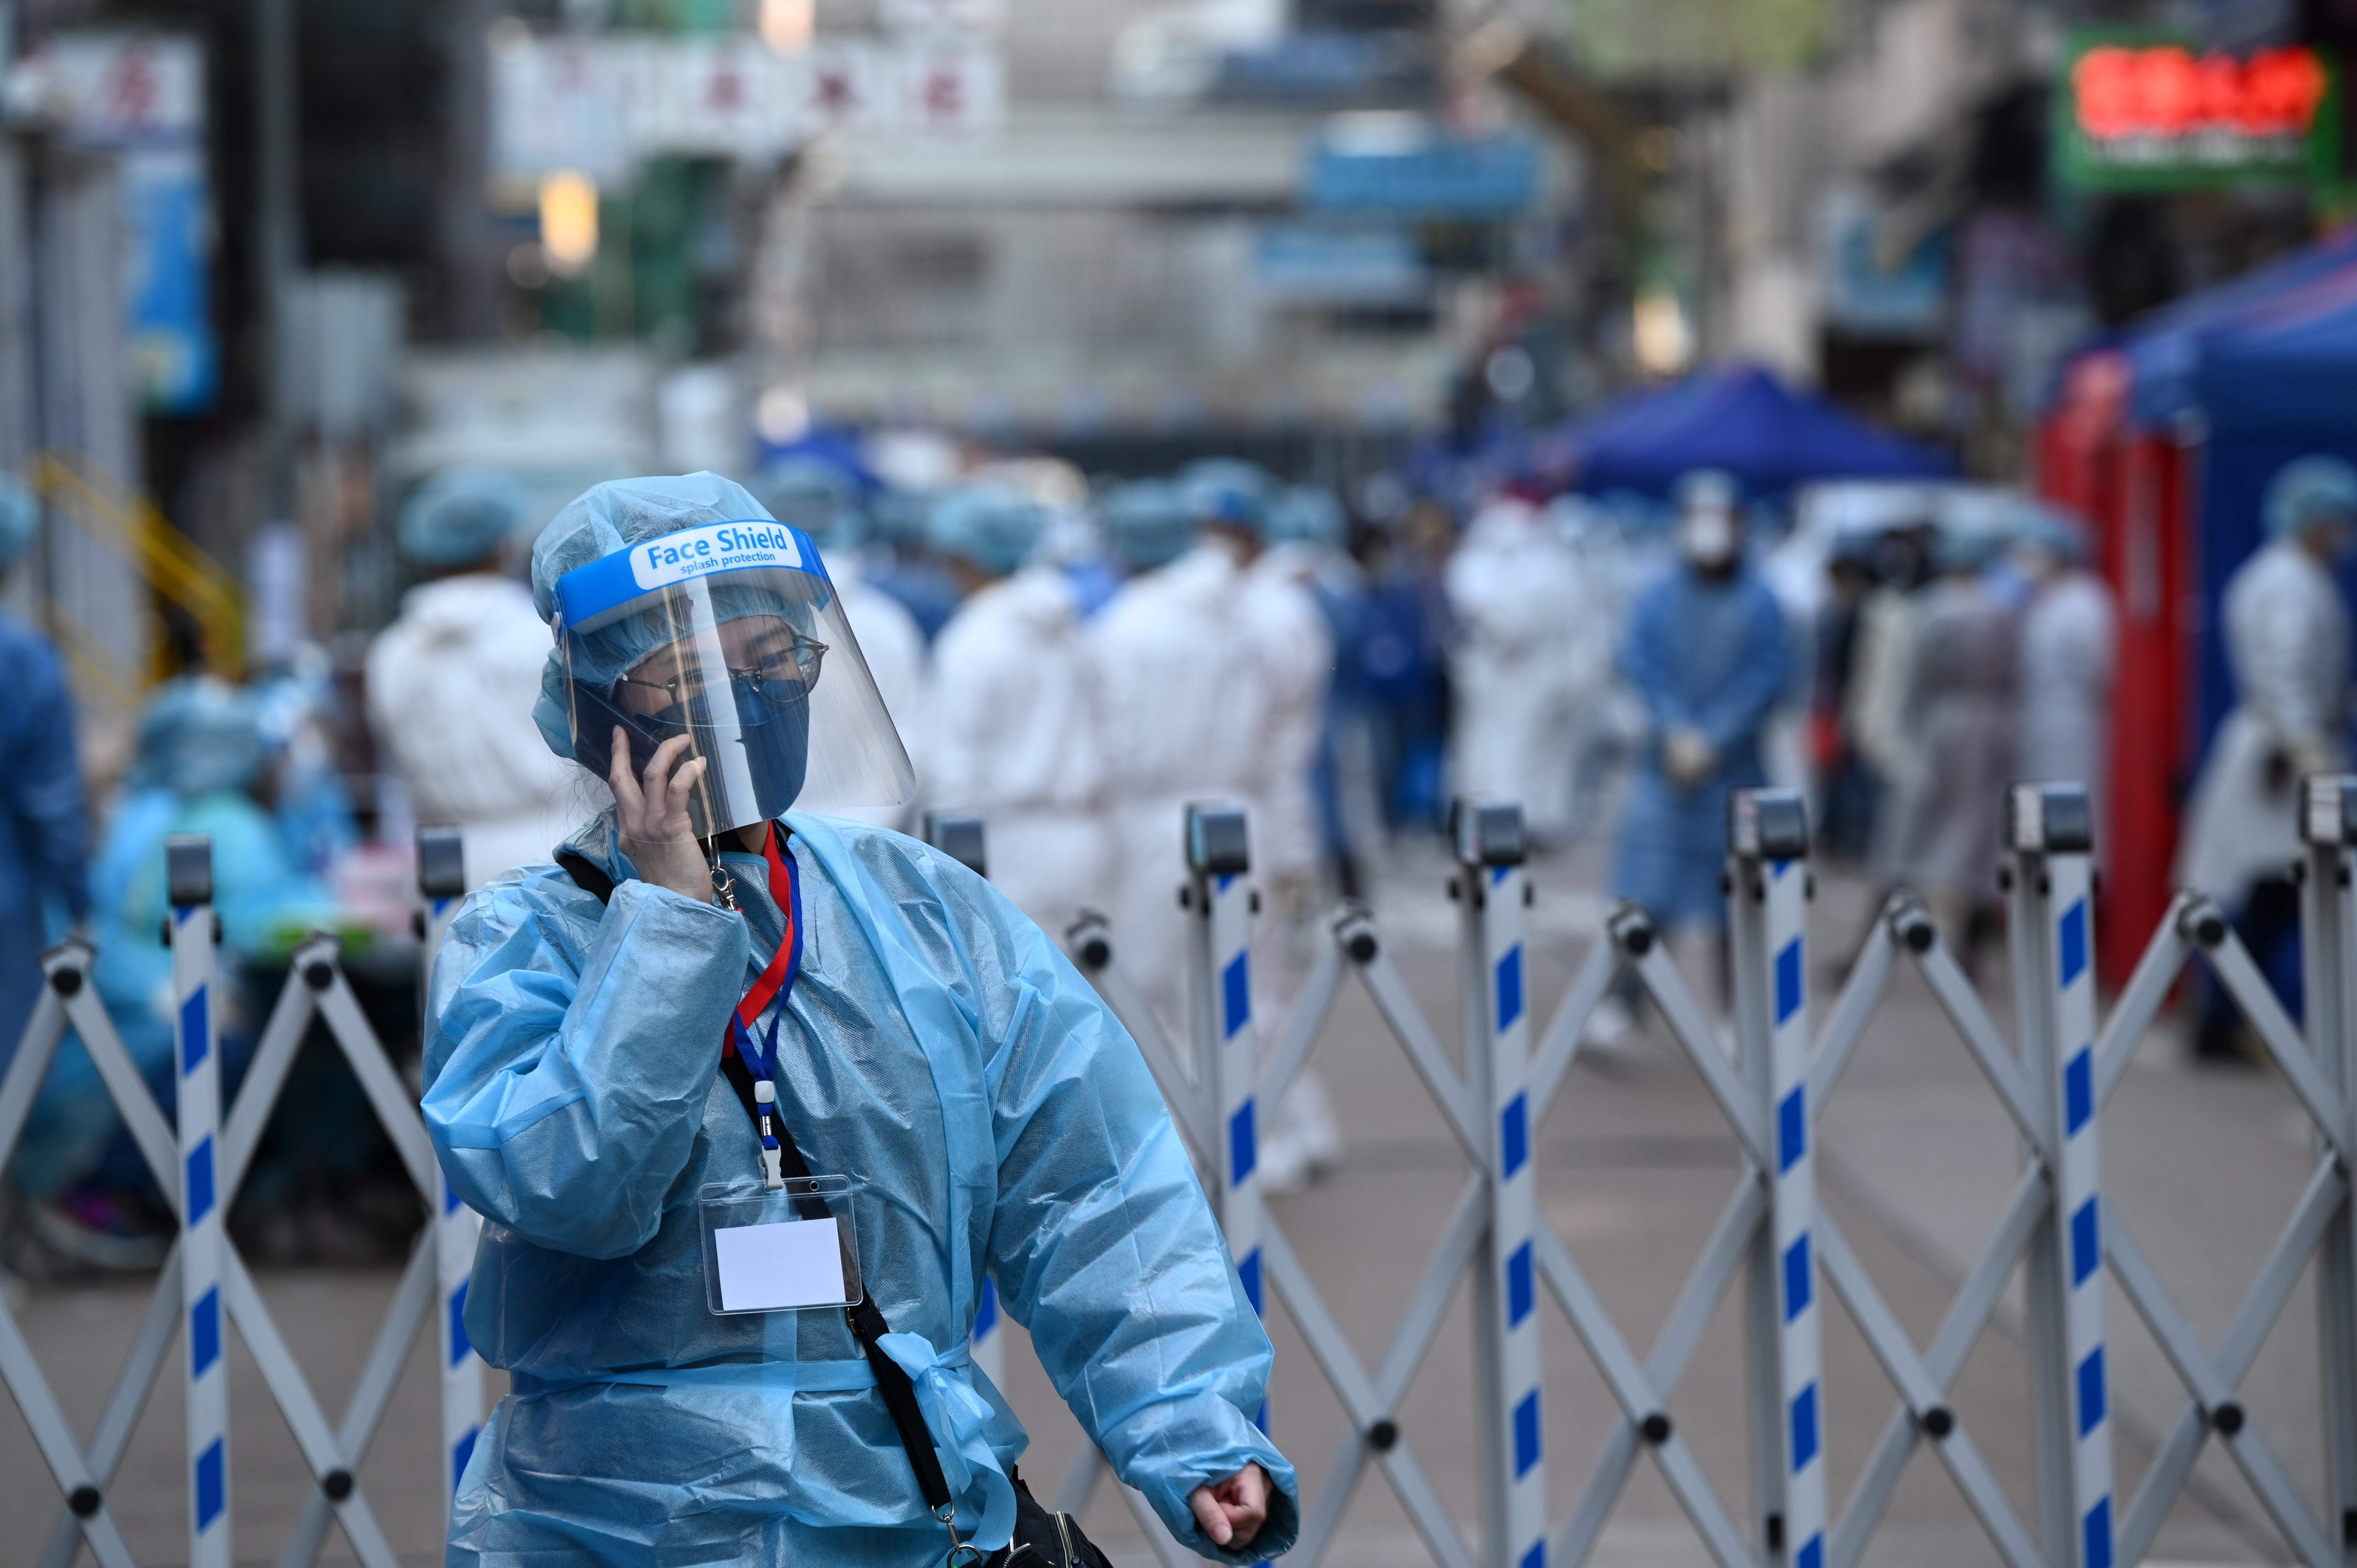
(42,832)
(201,750)
(589,1064)
(1707,654)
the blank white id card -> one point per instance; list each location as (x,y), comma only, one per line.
(779,1249)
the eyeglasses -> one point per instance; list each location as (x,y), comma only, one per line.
(795,665)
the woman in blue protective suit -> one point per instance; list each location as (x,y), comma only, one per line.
(718,1030)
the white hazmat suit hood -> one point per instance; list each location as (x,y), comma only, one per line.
(450,691)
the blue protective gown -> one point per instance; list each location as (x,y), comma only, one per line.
(1709,656)
(938,1047)
(43,836)
(261,898)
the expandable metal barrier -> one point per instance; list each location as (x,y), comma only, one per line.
(1769,1083)
(203,1279)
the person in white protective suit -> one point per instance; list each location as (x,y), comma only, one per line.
(1290,641)
(1874,709)
(824,501)
(1013,731)
(1513,588)
(1962,706)
(2287,633)
(452,682)
(2070,654)
(1181,705)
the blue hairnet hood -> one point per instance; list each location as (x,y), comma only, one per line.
(2049,528)
(1968,549)
(994,528)
(1229,490)
(1149,524)
(816,496)
(604,519)
(461,516)
(199,734)
(1707,487)
(2309,490)
(1308,514)
(20,518)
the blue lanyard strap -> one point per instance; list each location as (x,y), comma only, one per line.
(771,990)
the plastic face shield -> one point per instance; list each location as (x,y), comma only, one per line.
(731,634)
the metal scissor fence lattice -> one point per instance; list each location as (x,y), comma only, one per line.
(1769,1082)
(2320,1065)
(1216,1090)
(203,1285)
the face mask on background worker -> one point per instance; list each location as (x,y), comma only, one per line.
(1708,534)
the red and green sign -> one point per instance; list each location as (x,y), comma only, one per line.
(2140,111)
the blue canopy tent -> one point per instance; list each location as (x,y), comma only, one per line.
(1743,420)
(2276,381)
(2166,349)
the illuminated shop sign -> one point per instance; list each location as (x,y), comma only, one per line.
(2147,111)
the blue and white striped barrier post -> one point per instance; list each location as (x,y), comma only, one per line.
(961,838)
(1768,841)
(1490,888)
(196,1032)
(1219,899)
(2049,831)
(2328,955)
(441,884)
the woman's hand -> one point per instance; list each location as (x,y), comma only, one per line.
(1232,1512)
(651,815)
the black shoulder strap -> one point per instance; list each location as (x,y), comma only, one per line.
(865,1318)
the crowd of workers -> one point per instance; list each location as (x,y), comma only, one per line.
(1075,666)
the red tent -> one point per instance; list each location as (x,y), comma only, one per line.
(2131,485)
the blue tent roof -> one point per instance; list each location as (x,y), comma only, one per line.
(2166,349)
(2288,366)
(1741,419)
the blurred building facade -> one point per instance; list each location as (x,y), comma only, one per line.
(367,236)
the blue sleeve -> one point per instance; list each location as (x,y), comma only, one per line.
(1647,663)
(1104,1246)
(40,788)
(1741,705)
(565,1082)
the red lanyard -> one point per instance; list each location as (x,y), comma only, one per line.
(785,887)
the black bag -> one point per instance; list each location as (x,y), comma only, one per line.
(1042,1539)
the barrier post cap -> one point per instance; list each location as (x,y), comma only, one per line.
(189,869)
(441,862)
(1218,842)
(1487,832)
(958,834)
(1767,825)
(2048,819)
(2327,816)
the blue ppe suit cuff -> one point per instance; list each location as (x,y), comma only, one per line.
(1201,1442)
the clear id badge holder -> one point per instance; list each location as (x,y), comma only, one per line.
(779,1249)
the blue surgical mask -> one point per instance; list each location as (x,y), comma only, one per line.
(771,727)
